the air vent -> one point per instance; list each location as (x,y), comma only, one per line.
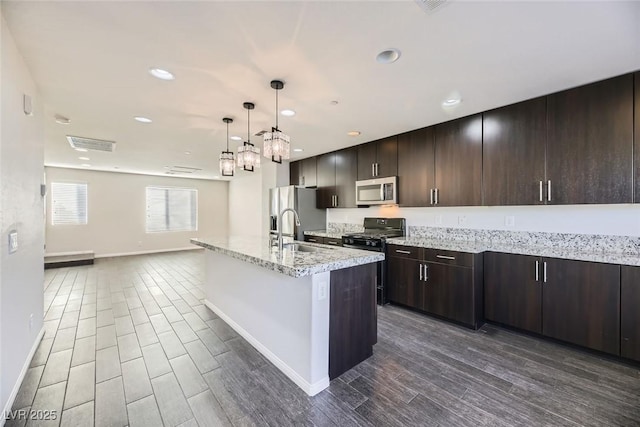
(182,169)
(91,144)
(431,6)
(262,132)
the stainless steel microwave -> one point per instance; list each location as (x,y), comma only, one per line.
(378,191)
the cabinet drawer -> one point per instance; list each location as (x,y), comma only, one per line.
(405,251)
(332,241)
(461,259)
(314,239)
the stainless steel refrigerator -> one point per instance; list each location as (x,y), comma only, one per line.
(303,200)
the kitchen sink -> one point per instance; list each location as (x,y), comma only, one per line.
(305,248)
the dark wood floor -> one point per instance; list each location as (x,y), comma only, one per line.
(129,342)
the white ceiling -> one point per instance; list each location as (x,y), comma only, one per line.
(90,62)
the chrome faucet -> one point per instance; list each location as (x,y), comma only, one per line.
(280,243)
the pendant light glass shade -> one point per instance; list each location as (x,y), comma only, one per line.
(227,160)
(248,154)
(276,143)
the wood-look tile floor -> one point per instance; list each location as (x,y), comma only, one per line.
(129,342)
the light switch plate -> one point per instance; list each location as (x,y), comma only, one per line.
(509,221)
(26,105)
(322,291)
(13,241)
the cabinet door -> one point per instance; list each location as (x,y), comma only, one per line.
(459,162)
(295,177)
(416,151)
(366,160)
(590,143)
(403,282)
(326,180)
(387,157)
(513,290)
(630,315)
(581,303)
(346,175)
(449,292)
(308,170)
(513,149)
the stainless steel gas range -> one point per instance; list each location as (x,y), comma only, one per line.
(374,238)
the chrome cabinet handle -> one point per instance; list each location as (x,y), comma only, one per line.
(311,240)
(431,194)
(373,169)
(420,265)
(437,196)
(426,272)
(538,269)
(544,272)
(377,169)
(446,257)
(336,200)
(403,252)
(540,190)
(332,243)
(549,191)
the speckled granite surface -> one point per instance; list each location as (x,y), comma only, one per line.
(323,233)
(291,263)
(343,227)
(622,250)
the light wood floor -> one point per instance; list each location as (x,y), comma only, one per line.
(129,342)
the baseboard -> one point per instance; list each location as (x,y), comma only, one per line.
(155,251)
(23,372)
(310,389)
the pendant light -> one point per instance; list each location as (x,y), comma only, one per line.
(276,143)
(227,162)
(248,154)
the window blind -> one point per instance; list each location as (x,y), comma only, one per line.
(171,209)
(68,203)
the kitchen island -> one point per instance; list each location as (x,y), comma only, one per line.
(311,310)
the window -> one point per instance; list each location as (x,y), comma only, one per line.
(68,203)
(172,209)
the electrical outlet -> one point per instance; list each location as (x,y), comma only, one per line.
(13,241)
(462,219)
(438,219)
(509,221)
(322,291)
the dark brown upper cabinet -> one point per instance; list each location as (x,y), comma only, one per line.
(458,162)
(416,162)
(336,179)
(590,143)
(303,172)
(513,147)
(636,137)
(295,177)
(378,158)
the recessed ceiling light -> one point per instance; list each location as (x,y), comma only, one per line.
(187,152)
(82,150)
(116,167)
(288,113)
(298,150)
(142,119)
(62,120)
(353,133)
(84,158)
(388,56)
(450,102)
(86,165)
(161,74)
(236,138)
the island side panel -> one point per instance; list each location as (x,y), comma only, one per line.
(353,319)
(283,317)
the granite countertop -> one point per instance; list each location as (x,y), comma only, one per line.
(543,251)
(324,233)
(292,263)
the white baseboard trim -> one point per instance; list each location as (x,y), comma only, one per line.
(23,372)
(155,251)
(310,389)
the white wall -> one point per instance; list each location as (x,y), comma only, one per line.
(618,220)
(117,213)
(21,209)
(249,198)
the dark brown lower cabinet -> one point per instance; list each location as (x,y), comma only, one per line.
(513,290)
(630,313)
(352,318)
(581,303)
(451,289)
(572,301)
